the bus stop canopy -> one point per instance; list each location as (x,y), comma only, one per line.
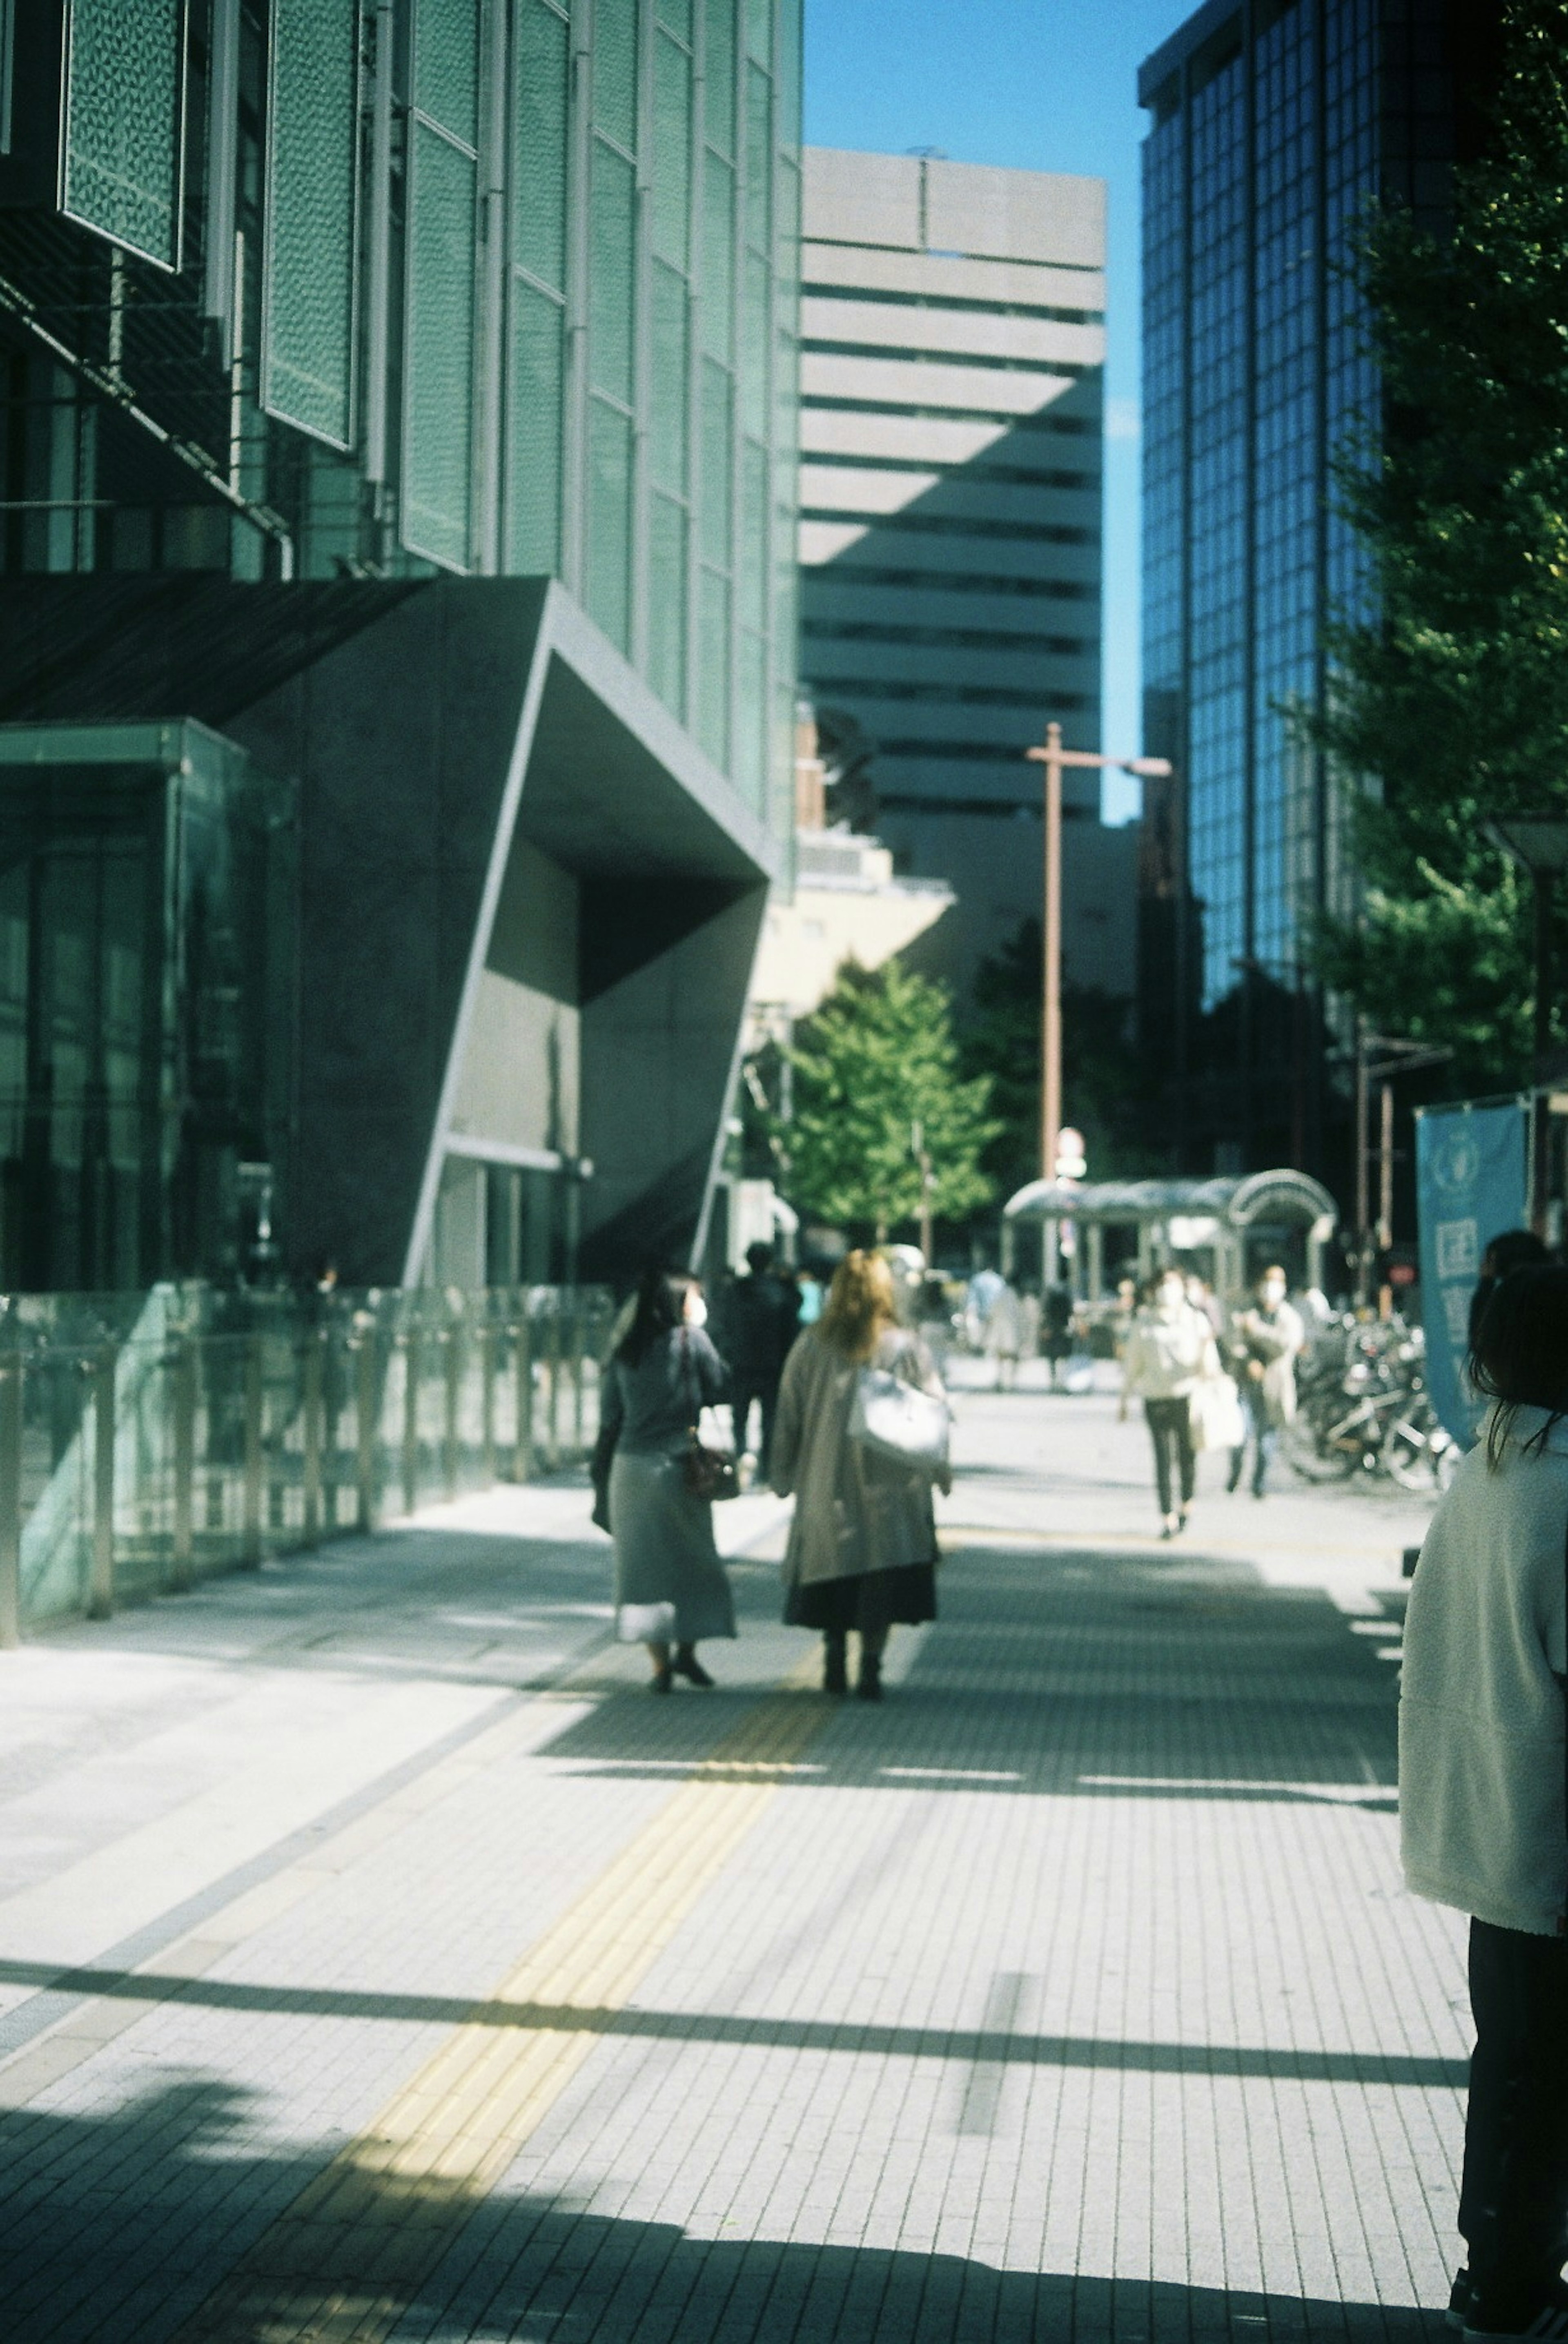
(1173,1217)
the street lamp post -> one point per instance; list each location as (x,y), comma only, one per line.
(1054,758)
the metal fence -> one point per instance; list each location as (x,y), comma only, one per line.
(148,1441)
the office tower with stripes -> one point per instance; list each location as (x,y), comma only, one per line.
(951,422)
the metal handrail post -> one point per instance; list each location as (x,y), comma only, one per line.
(523,1437)
(101,1572)
(10,1500)
(579,1360)
(485,1338)
(365,1413)
(554,1419)
(182,1365)
(409,1343)
(250,1549)
(313,1407)
(453,1339)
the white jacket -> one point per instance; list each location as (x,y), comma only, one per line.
(1168,1350)
(1481,1709)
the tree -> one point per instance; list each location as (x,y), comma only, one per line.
(1450,695)
(1105,1093)
(878,1057)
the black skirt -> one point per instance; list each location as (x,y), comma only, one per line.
(869,1603)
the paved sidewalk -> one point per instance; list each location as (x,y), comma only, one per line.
(379,1961)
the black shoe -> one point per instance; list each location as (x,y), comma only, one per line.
(1538,2316)
(868,1685)
(1462,2295)
(834,1667)
(662,1681)
(686,1664)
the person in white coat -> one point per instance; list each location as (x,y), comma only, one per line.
(1169,1346)
(1483,1823)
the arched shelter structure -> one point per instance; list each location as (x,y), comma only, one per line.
(1227,1219)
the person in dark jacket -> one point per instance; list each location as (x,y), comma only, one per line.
(1510,1249)
(762,1317)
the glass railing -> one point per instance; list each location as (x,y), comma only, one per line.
(150,1440)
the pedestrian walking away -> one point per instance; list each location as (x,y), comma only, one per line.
(1483,1817)
(1267,1341)
(1004,1336)
(861,1551)
(1170,1345)
(1057,1310)
(671,1591)
(761,1314)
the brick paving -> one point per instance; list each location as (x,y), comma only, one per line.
(378,1960)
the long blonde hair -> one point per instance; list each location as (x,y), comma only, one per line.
(861,1302)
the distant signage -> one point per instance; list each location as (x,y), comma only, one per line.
(1470,1180)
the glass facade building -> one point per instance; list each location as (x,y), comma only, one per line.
(361,299)
(1271,126)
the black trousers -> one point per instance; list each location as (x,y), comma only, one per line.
(764,1390)
(1171,1429)
(1513,2203)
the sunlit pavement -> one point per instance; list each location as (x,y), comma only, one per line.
(379,1960)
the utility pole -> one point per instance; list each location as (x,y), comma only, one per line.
(917,1148)
(1054,758)
(1379,1057)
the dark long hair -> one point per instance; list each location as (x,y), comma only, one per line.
(660,1305)
(1520,1355)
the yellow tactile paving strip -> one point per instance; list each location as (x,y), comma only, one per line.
(337,2266)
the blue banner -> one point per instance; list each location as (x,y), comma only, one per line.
(1471,1185)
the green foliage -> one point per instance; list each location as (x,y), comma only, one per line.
(877,1056)
(1104,1091)
(1451,695)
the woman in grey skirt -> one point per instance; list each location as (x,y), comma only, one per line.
(670,1587)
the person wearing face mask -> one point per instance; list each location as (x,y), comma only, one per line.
(671,1587)
(1268,1338)
(1170,1345)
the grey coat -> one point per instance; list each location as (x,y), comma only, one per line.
(854,1511)
(1480,1695)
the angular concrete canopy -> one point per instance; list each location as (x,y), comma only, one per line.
(432,727)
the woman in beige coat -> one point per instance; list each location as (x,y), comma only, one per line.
(862,1549)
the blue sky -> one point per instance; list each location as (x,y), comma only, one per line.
(1037,85)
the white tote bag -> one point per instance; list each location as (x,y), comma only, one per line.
(1216,1411)
(897,1421)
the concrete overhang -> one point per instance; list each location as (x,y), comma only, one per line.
(614,787)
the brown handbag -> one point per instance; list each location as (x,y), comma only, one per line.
(710,1474)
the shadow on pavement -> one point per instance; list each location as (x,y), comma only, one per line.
(994,2047)
(153,2221)
(1088,1675)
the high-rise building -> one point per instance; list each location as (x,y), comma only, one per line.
(1271,126)
(397,621)
(951,422)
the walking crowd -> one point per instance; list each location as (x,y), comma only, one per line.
(853,1421)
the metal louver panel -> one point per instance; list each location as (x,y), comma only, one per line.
(312,182)
(439,319)
(541,66)
(122,119)
(534,453)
